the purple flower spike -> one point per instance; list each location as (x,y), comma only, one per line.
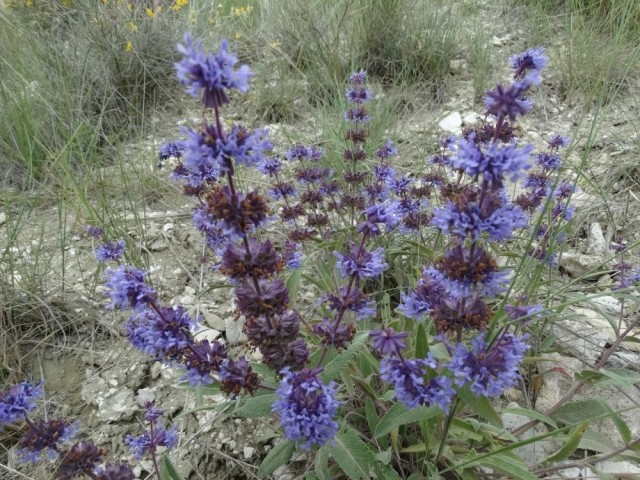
(95,232)
(17,401)
(388,342)
(127,288)
(556,141)
(42,440)
(170,150)
(358,78)
(163,334)
(81,459)
(307,408)
(210,75)
(533,59)
(488,370)
(151,439)
(387,151)
(361,263)
(411,388)
(115,471)
(110,251)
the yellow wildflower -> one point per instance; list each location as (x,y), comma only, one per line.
(105,2)
(132,26)
(128,47)
(129,7)
(238,35)
(149,12)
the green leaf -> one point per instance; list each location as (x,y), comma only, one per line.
(167,470)
(586,410)
(254,407)
(481,405)
(385,457)
(279,455)
(293,282)
(530,414)
(512,466)
(322,464)
(422,343)
(353,456)
(620,377)
(340,362)
(372,415)
(368,389)
(569,445)
(548,342)
(398,415)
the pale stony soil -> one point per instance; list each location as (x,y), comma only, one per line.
(95,376)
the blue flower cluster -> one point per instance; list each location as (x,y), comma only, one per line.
(307,408)
(47,440)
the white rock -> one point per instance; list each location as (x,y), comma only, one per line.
(145,395)
(577,473)
(167,227)
(3,218)
(210,334)
(626,469)
(248,452)
(596,239)
(155,370)
(455,66)
(213,320)
(233,330)
(608,303)
(451,123)
(535,452)
(470,119)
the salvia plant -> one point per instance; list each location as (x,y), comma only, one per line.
(388,375)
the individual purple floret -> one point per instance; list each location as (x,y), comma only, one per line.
(358,95)
(127,288)
(95,232)
(533,59)
(270,166)
(548,161)
(307,408)
(237,375)
(556,141)
(81,459)
(110,251)
(488,369)
(115,471)
(209,75)
(150,440)
(522,312)
(498,222)
(17,401)
(163,334)
(388,342)
(358,78)
(494,164)
(293,256)
(387,151)
(411,388)
(42,440)
(202,359)
(507,102)
(170,150)
(361,263)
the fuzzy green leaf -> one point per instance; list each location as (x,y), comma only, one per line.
(167,470)
(398,415)
(278,456)
(353,456)
(422,343)
(569,445)
(340,362)
(322,464)
(254,407)
(481,405)
(509,464)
